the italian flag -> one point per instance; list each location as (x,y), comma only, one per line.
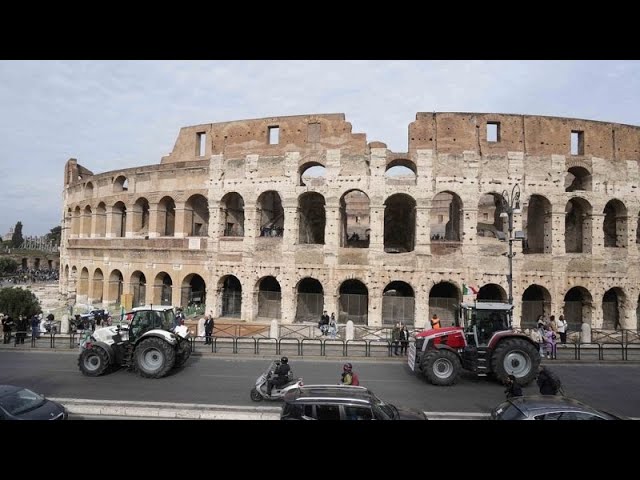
(469,289)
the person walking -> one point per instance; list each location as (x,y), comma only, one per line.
(404,339)
(562,329)
(333,327)
(395,338)
(550,342)
(513,387)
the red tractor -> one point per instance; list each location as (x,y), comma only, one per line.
(482,342)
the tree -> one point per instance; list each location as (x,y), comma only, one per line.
(55,235)
(16,239)
(7,265)
(19,301)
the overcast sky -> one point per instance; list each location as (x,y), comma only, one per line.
(119,114)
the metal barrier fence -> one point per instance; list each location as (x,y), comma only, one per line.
(368,341)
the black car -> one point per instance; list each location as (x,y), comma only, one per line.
(549,407)
(341,402)
(17,403)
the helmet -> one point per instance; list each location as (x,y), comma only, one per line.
(347,367)
(284,360)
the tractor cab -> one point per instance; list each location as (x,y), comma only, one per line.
(480,320)
(145,319)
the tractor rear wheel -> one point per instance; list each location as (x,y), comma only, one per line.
(93,362)
(517,357)
(441,367)
(154,357)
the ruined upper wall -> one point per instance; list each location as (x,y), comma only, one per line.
(454,133)
(301,133)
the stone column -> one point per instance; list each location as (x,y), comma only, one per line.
(288,304)
(597,234)
(251,228)
(290,235)
(469,232)
(422,307)
(332,232)
(179,226)
(109,233)
(128,226)
(423,229)
(249,310)
(154,217)
(376,239)
(557,231)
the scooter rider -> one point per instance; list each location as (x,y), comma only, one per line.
(280,375)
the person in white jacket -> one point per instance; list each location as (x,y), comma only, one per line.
(561,325)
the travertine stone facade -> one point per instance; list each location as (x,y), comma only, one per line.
(283,217)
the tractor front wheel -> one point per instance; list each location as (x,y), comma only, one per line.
(93,362)
(441,367)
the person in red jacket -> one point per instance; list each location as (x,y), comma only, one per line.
(349,377)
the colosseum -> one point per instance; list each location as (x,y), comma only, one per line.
(284,217)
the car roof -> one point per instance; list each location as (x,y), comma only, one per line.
(488,306)
(332,393)
(157,308)
(538,403)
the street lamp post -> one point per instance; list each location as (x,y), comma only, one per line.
(510,205)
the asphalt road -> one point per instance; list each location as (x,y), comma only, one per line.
(228,380)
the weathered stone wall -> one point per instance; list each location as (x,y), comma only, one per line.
(455,166)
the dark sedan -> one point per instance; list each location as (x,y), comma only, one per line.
(17,403)
(549,407)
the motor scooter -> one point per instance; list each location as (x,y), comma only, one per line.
(259,392)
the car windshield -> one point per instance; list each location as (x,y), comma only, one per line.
(388,409)
(507,411)
(21,401)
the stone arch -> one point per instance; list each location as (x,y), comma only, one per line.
(163,289)
(536,301)
(313,218)
(353,302)
(116,287)
(577,179)
(97,289)
(493,292)
(232,214)
(309,301)
(101,220)
(138,284)
(193,291)
(167,217)
(399,223)
(401,171)
(271,214)
(312,174)
(140,212)
(444,298)
(88,190)
(269,298)
(196,216)
(613,308)
(230,296)
(447,217)
(354,219)
(537,229)
(490,223)
(577,226)
(83,284)
(119,221)
(577,308)
(120,184)
(614,225)
(86,222)
(398,303)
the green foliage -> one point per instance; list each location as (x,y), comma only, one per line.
(55,235)
(18,301)
(7,265)
(16,239)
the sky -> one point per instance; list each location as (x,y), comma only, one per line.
(122,114)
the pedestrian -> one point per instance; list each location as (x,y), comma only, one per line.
(35,327)
(550,342)
(395,338)
(349,377)
(404,339)
(333,327)
(513,387)
(208,330)
(562,329)
(435,321)
(548,381)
